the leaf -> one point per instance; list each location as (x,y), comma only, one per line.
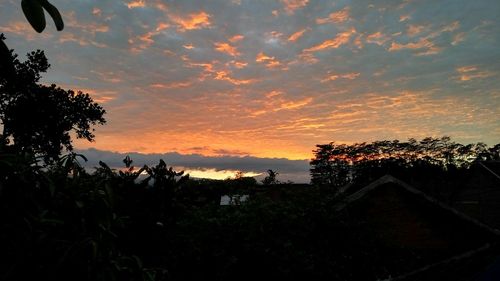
(33,12)
(54,13)
(81,156)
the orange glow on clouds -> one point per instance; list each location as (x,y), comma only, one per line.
(294,37)
(273,79)
(270,62)
(226,48)
(339,40)
(192,21)
(236,38)
(136,4)
(472,72)
(292,5)
(334,77)
(336,17)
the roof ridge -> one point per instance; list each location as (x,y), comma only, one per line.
(391,179)
(489,170)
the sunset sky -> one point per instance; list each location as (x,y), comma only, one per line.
(271,79)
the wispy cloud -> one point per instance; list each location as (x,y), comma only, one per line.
(471,72)
(292,5)
(414,30)
(136,4)
(335,17)
(333,77)
(423,45)
(224,75)
(295,36)
(378,38)
(339,40)
(270,62)
(173,85)
(236,38)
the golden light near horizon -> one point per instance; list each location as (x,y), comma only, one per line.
(217,174)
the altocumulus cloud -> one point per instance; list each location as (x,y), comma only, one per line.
(274,78)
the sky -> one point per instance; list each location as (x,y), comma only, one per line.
(268,80)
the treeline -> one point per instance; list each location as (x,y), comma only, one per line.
(339,164)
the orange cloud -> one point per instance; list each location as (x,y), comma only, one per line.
(292,5)
(188,46)
(294,37)
(136,4)
(414,29)
(173,85)
(341,39)
(96,12)
(22,28)
(99,96)
(147,38)
(270,62)
(472,72)
(308,58)
(225,76)
(451,27)
(377,38)
(192,21)
(335,17)
(162,26)
(447,28)
(82,41)
(226,48)
(107,76)
(238,64)
(404,18)
(295,104)
(236,38)
(334,77)
(422,43)
(358,42)
(459,37)
(208,68)
(275,102)
(273,94)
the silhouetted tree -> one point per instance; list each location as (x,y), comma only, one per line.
(37,118)
(270,178)
(328,167)
(338,164)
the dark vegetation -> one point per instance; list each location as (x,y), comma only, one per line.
(442,167)
(59,221)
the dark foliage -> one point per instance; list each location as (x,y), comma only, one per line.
(271,178)
(339,164)
(37,118)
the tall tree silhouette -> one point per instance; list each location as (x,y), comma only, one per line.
(37,118)
(338,164)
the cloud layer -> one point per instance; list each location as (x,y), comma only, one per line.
(274,78)
(215,166)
